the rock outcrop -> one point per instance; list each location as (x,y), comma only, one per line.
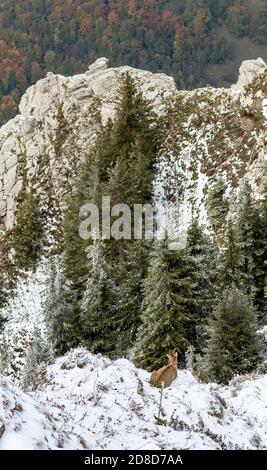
(56,127)
(44,145)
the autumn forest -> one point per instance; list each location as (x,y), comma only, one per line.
(179,37)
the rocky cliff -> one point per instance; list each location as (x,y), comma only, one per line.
(209,134)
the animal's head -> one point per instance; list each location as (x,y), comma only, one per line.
(173,357)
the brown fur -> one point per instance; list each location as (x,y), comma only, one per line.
(165,376)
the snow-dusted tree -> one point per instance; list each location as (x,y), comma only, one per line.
(250,229)
(230,261)
(27,233)
(260,275)
(98,312)
(57,309)
(202,257)
(40,352)
(164,313)
(242,262)
(217,205)
(234,346)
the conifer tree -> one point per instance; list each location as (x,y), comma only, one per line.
(93,173)
(7,268)
(164,316)
(27,233)
(243,258)
(133,270)
(230,261)
(249,239)
(234,346)
(57,309)
(260,247)
(39,352)
(217,205)
(121,166)
(131,182)
(202,257)
(98,303)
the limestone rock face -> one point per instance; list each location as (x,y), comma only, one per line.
(41,148)
(57,126)
(249,70)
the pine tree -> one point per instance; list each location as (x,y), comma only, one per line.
(98,304)
(131,182)
(243,258)
(234,346)
(93,173)
(56,309)
(121,166)
(164,317)
(260,259)
(249,239)
(39,352)
(217,205)
(27,233)
(202,257)
(133,269)
(230,261)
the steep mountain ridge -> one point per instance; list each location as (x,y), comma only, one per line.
(208,133)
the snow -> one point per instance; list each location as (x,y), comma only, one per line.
(97,403)
(26,424)
(24,312)
(26,302)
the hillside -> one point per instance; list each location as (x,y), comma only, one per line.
(89,402)
(83,320)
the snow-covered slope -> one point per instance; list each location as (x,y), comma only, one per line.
(101,404)
(26,425)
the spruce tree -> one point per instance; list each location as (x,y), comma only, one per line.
(121,165)
(217,205)
(202,258)
(260,259)
(93,173)
(131,182)
(132,272)
(249,239)
(27,233)
(234,346)
(164,317)
(98,304)
(57,309)
(39,352)
(230,261)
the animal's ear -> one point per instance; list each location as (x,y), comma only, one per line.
(175,353)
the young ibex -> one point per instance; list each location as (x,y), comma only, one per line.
(165,376)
